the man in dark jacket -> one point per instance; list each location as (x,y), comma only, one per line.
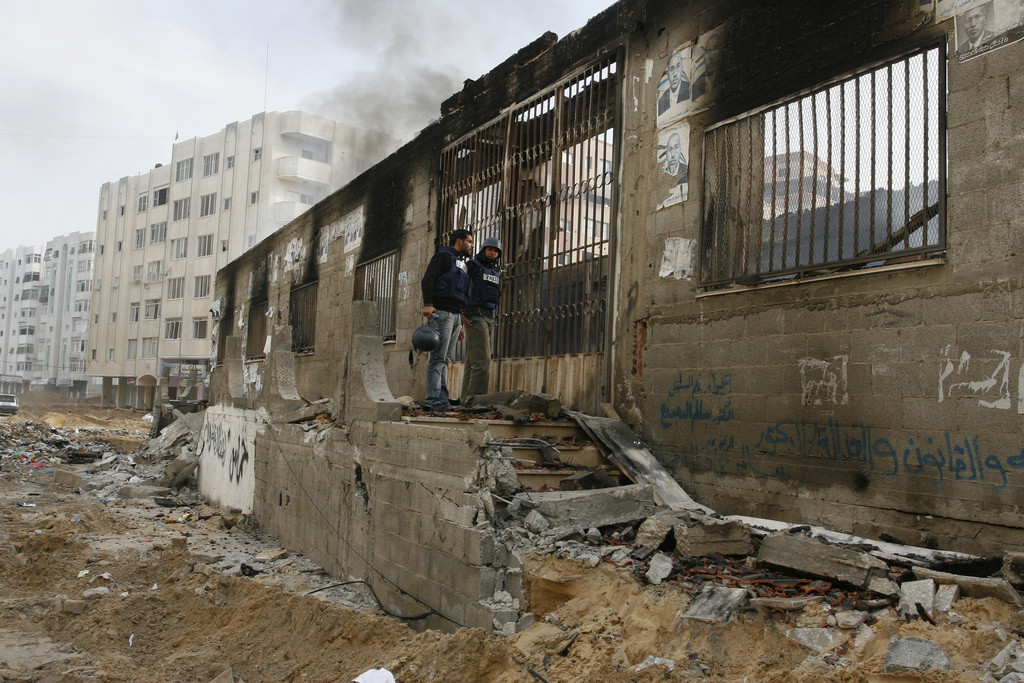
(445,288)
(478,317)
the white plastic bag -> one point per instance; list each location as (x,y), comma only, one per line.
(375,676)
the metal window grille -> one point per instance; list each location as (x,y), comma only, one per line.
(542,178)
(377,280)
(256,335)
(302,317)
(850,175)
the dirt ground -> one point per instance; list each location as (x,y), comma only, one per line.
(173,613)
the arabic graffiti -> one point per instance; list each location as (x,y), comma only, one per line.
(705,401)
(228,445)
(788,450)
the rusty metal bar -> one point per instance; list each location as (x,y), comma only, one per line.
(377,280)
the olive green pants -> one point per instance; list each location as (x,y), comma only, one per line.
(476,373)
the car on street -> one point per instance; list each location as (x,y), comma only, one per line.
(8,404)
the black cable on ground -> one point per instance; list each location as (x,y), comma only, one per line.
(380,605)
(356,552)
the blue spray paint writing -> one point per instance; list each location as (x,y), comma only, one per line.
(695,409)
(801,445)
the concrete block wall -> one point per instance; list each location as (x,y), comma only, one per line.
(725,385)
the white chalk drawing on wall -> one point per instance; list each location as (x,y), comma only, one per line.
(991,388)
(823,381)
(677,260)
(673,156)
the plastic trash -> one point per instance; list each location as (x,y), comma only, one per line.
(26,505)
(82,573)
(375,676)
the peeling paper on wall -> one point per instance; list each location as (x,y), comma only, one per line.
(648,70)
(294,254)
(251,379)
(677,260)
(241,316)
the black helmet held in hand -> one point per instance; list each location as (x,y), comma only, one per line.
(425,338)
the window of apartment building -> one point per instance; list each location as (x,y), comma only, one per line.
(157,233)
(78,346)
(140,238)
(223,246)
(848,175)
(132,352)
(204,245)
(172,328)
(27,329)
(115,281)
(81,306)
(136,273)
(202,287)
(103,215)
(207,204)
(110,354)
(133,312)
(307,198)
(254,197)
(257,154)
(98,285)
(175,287)
(152,309)
(160,196)
(183,170)
(149,346)
(199,328)
(143,203)
(179,248)
(211,164)
(229,162)
(84,266)
(154,271)
(181,209)
(83,286)
(113,317)
(121,210)
(87,247)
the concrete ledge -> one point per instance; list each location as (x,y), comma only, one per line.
(596,508)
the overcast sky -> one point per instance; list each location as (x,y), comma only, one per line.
(94,90)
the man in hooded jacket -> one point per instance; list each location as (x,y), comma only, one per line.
(478,317)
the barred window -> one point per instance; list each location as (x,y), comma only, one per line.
(377,280)
(302,317)
(851,175)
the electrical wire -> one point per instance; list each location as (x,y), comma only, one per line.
(380,605)
(353,549)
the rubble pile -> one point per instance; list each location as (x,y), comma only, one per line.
(38,445)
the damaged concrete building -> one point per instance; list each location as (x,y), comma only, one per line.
(781,241)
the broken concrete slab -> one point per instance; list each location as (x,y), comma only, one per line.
(914,593)
(660,568)
(95,592)
(884,586)
(974,587)
(535,522)
(597,508)
(140,491)
(914,654)
(708,536)
(587,481)
(946,596)
(73,606)
(1013,568)
(850,619)
(786,604)
(810,556)
(715,604)
(652,533)
(1010,660)
(816,639)
(66,478)
(519,402)
(271,555)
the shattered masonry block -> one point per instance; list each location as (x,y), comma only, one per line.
(913,593)
(974,587)
(65,478)
(1010,660)
(715,604)
(946,596)
(598,508)
(652,533)
(142,491)
(73,606)
(816,639)
(785,604)
(811,556)
(1013,568)
(915,654)
(884,586)
(660,568)
(713,537)
(850,619)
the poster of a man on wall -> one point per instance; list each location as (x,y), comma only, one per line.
(982,27)
(690,81)
(673,155)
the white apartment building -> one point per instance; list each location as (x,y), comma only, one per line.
(163,235)
(23,291)
(63,330)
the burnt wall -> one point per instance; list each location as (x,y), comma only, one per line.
(885,400)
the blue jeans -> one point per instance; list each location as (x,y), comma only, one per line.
(448,325)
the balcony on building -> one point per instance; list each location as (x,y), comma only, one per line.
(300,124)
(304,170)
